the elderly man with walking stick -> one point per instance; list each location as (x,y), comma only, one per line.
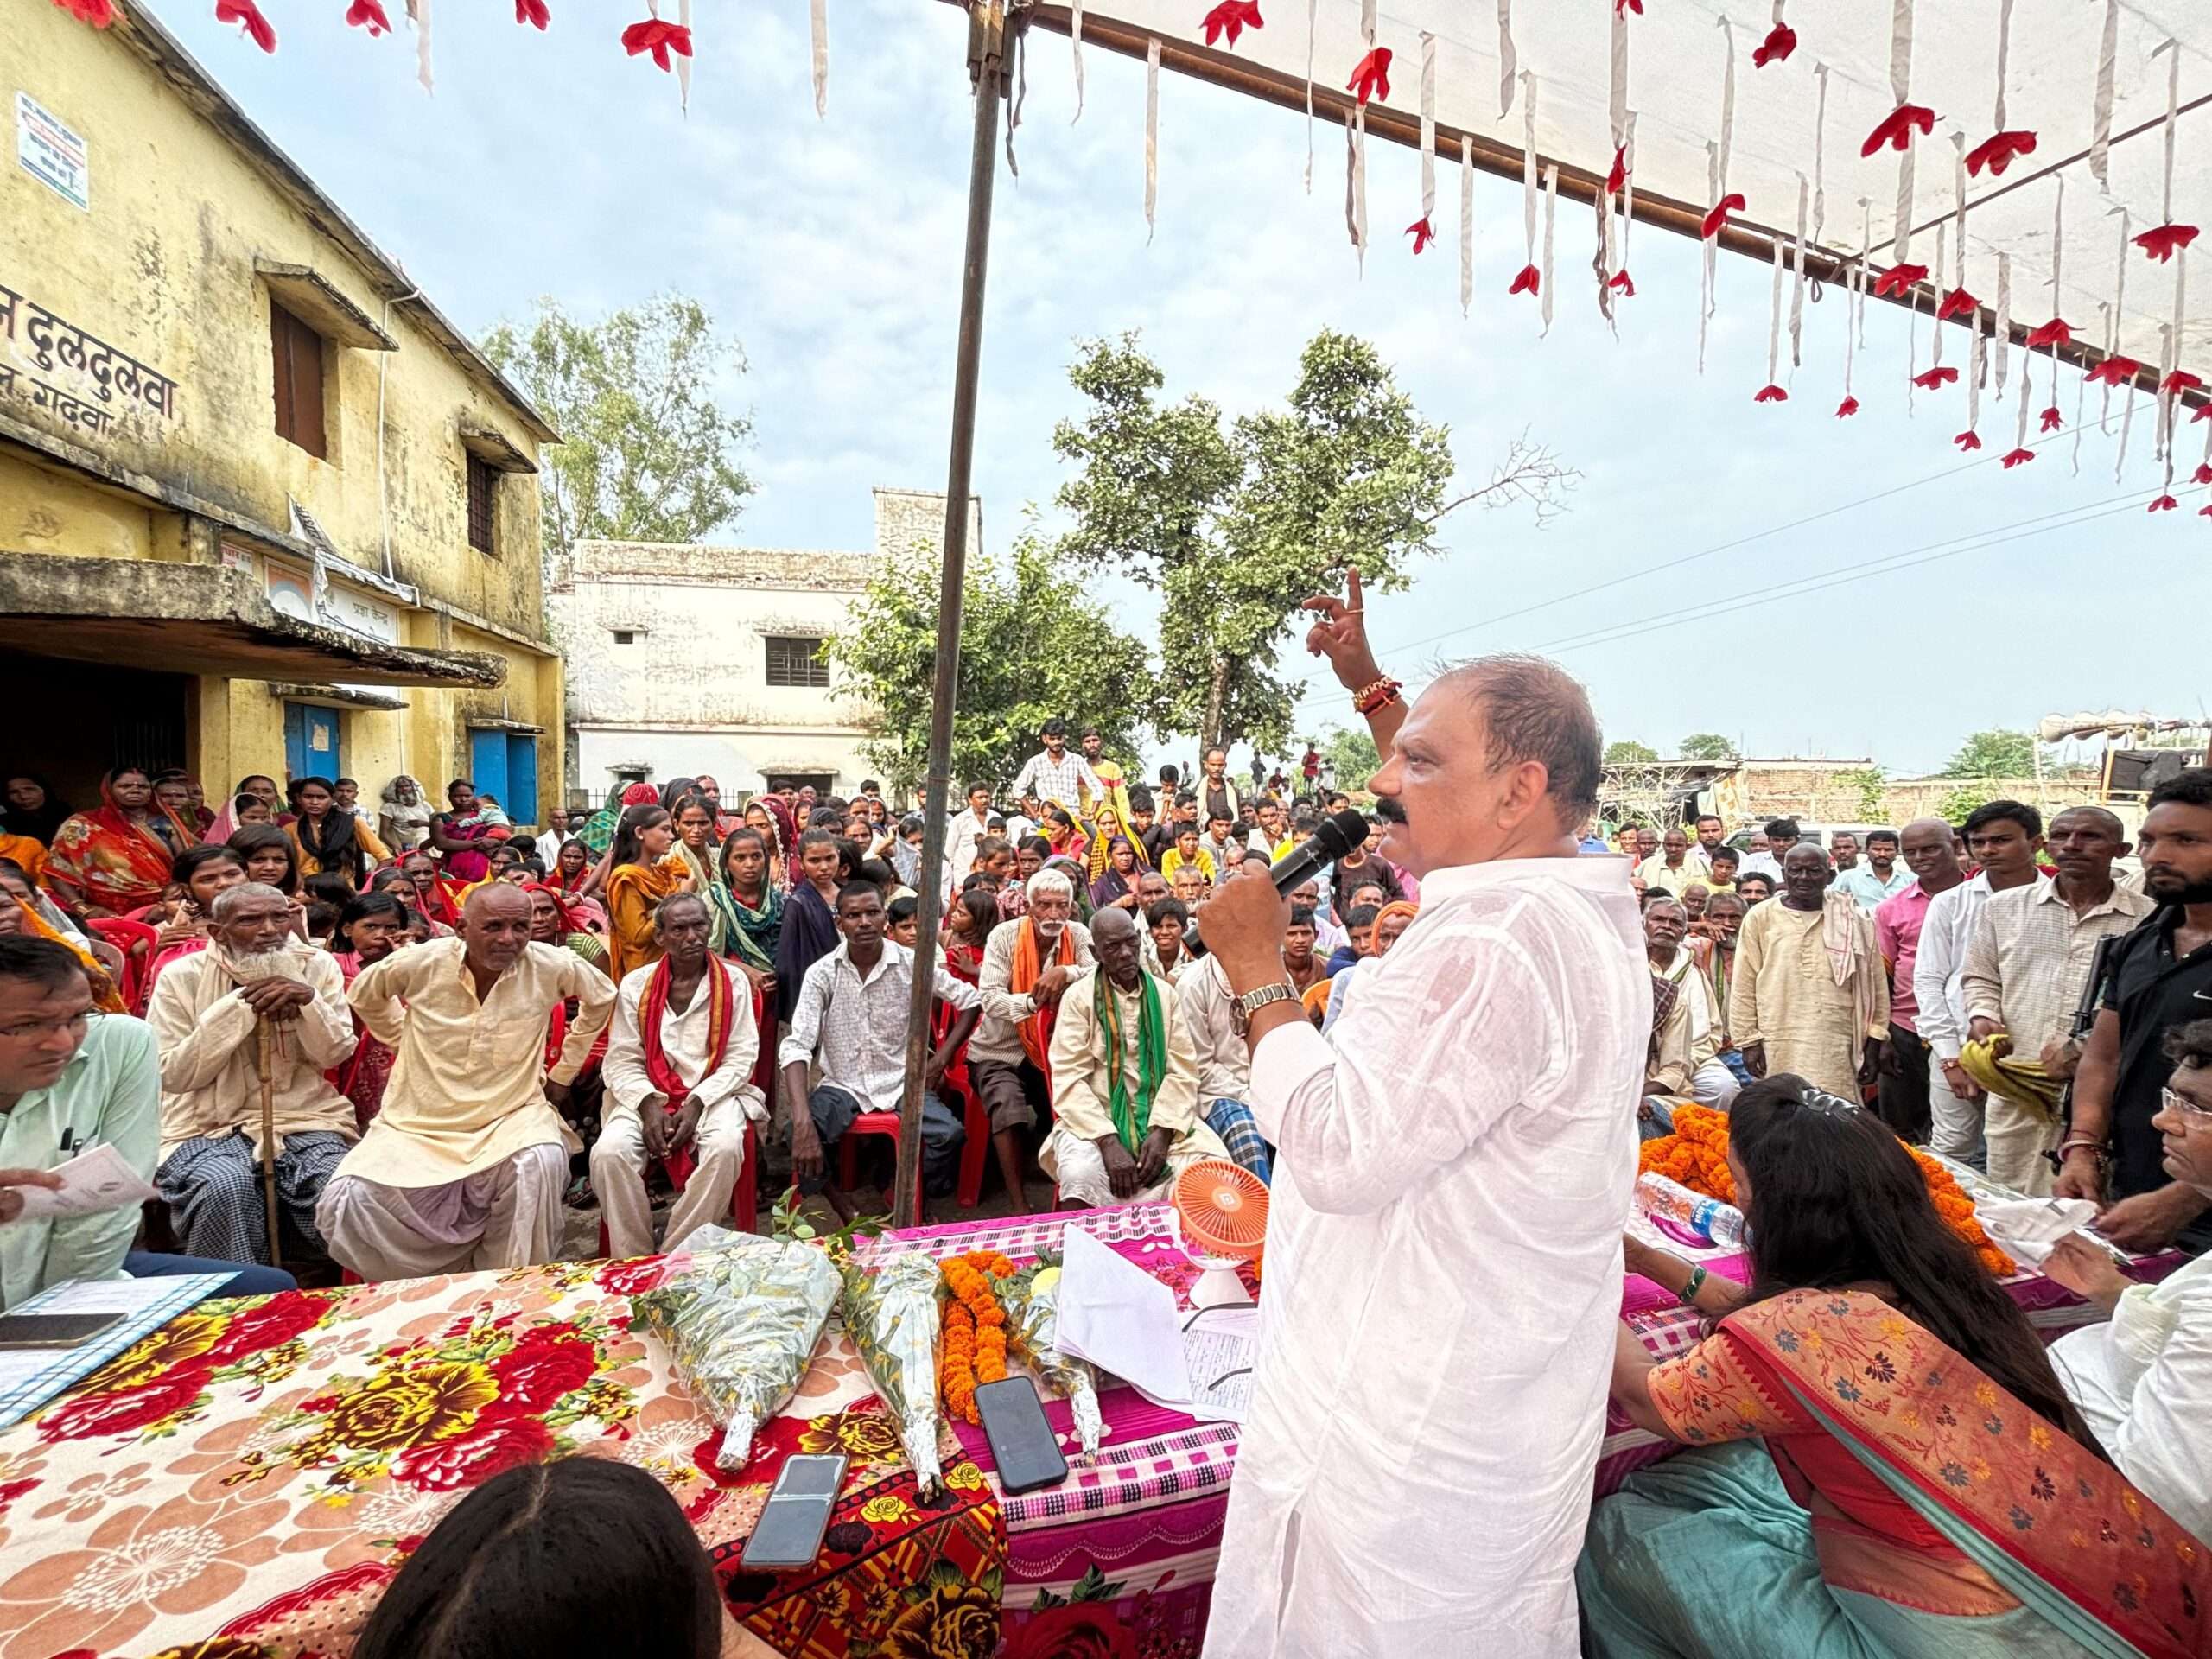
(250,1129)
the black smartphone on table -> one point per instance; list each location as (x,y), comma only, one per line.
(789,1532)
(1023,1446)
(52,1330)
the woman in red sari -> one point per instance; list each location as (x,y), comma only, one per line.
(1882,1463)
(371,927)
(116,858)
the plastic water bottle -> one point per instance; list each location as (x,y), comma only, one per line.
(1721,1223)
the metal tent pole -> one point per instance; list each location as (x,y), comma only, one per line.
(986,24)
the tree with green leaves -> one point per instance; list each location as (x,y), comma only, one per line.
(1033,643)
(1996,753)
(648,451)
(1627,751)
(1871,786)
(1706,746)
(1351,755)
(1233,523)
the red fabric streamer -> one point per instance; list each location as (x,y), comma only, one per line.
(1935,378)
(2052,420)
(1732,203)
(2179,381)
(2000,152)
(1621,280)
(1636,6)
(1781,41)
(1898,279)
(99,13)
(1233,17)
(2164,243)
(1770,395)
(1530,281)
(1370,76)
(1846,409)
(248,16)
(2012,458)
(1422,232)
(658,38)
(1968,440)
(1617,178)
(2205,513)
(2203,413)
(2057,332)
(2164,503)
(2115,371)
(1957,303)
(1897,127)
(533,12)
(367,13)
(2203,474)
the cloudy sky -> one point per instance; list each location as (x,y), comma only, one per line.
(1801,584)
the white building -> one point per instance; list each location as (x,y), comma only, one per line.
(685,659)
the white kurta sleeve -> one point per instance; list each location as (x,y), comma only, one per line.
(1446,1038)
(623,1070)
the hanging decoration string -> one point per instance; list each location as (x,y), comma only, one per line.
(1854,287)
(1312,9)
(1820,146)
(1797,282)
(2055,333)
(1423,230)
(1151,136)
(1772,392)
(1528,279)
(2167,238)
(2002,328)
(1466,224)
(2019,452)
(1551,208)
(1075,44)
(2100,121)
(1717,153)
(2005,144)
(1508,61)
(1896,131)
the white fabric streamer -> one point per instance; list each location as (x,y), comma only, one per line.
(1959,188)
(2101,141)
(1359,183)
(1774,319)
(1617,77)
(2027,376)
(1508,61)
(1727,101)
(683,63)
(2080,405)
(2172,51)
(817,23)
(1075,45)
(1797,282)
(1820,146)
(1151,136)
(1312,8)
(1551,205)
(2104,400)
(1428,126)
(2170,401)
(1017,23)
(1705,266)
(1628,199)
(420,11)
(1367,21)
(2004,53)
(1901,89)
(1466,224)
(1529,165)
(2002,328)
(1865,249)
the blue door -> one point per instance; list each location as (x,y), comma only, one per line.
(488,766)
(522,779)
(311,740)
(505,766)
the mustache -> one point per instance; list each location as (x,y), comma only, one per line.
(1387,809)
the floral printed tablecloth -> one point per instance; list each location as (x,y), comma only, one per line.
(243,1484)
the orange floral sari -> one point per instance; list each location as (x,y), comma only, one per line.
(109,859)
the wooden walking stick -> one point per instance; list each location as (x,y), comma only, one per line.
(261,1044)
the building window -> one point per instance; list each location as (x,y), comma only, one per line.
(795,659)
(482,480)
(625,636)
(297,351)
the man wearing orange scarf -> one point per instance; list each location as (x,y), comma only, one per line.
(1027,962)
(678,1070)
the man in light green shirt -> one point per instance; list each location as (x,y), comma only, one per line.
(71,1079)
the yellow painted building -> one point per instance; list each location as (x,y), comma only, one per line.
(263,507)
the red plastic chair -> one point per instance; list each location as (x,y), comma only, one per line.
(883,1123)
(129,938)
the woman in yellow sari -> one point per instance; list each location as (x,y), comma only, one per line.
(643,875)
(1882,1463)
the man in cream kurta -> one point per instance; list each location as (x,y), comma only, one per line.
(1809,995)
(1093,1161)
(464,1167)
(718,1102)
(210,1012)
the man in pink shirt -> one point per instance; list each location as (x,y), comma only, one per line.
(1932,854)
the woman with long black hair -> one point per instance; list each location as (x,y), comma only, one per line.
(1881,1463)
(641,874)
(329,839)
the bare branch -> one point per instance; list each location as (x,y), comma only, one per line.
(1530,472)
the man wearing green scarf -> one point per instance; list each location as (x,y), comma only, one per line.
(1125,1080)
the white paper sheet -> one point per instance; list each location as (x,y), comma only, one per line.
(91,1182)
(2028,1229)
(1122,1319)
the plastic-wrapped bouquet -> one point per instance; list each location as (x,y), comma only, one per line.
(743,1323)
(891,1312)
(1032,1305)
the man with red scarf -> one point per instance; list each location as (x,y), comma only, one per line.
(678,1071)
(1027,962)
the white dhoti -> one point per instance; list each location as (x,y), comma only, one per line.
(1079,1167)
(508,1216)
(618,1175)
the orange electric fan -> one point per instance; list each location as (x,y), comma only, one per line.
(1221,1218)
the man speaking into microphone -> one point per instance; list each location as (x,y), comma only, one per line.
(1453,1170)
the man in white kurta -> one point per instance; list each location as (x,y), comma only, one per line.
(687,1085)
(1452,1171)
(463,1168)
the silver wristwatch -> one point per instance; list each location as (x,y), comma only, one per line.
(1243,1008)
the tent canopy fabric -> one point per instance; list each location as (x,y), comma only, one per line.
(1782,130)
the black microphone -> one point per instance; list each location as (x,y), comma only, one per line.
(1335,836)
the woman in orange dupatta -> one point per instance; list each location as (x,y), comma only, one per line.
(641,875)
(116,858)
(19,917)
(1884,1465)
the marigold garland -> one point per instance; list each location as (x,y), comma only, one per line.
(972,1344)
(1696,1155)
